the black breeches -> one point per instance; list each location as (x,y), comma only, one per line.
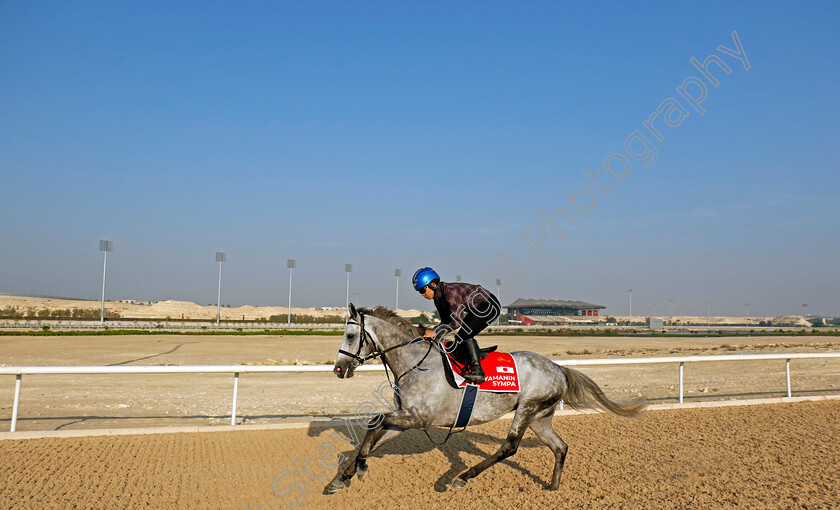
(475,321)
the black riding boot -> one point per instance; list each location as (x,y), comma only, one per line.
(475,374)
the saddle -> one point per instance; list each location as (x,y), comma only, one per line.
(486,350)
(447,368)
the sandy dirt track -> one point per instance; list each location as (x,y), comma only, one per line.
(766,456)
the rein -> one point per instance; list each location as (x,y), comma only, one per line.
(376,352)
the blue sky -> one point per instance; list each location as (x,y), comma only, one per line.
(402,136)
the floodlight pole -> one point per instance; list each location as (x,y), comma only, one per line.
(708,313)
(348,268)
(104,246)
(631,306)
(104,271)
(220,257)
(291,265)
(671,302)
(499,296)
(397,274)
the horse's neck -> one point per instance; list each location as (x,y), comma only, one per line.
(403,359)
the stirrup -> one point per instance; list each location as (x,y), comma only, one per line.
(477,377)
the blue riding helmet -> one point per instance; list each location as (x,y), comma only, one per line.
(424,277)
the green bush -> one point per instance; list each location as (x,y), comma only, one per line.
(10,312)
(422,318)
(307,319)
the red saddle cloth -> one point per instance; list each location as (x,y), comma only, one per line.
(499,370)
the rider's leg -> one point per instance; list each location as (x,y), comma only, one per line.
(475,322)
(475,374)
(460,352)
(468,347)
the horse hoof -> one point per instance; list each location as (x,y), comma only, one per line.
(339,482)
(361,471)
(459,483)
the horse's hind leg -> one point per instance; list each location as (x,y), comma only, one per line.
(546,433)
(509,447)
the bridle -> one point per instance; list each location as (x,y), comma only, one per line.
(364,338)
(376,352)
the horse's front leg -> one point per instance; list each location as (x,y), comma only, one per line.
(380,430)
(343,477)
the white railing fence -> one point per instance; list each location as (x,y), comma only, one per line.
(19,372)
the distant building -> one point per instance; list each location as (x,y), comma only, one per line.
(532,310)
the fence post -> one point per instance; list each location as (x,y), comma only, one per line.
(682,364)
(235,391)
(787,373)
(16,403)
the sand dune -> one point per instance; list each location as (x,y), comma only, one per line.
(169,308)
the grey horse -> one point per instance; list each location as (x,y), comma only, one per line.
(427,400)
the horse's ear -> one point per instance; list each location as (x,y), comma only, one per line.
(353,312)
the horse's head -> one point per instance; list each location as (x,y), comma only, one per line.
(355,345)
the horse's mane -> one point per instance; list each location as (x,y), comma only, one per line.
(386,314)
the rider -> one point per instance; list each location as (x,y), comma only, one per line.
(464,305)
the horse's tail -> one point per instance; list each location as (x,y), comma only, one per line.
(582,392)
